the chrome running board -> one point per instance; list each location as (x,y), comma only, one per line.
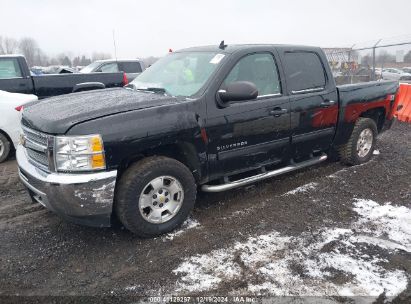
(264,175)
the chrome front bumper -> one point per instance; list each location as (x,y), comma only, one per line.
(82,198)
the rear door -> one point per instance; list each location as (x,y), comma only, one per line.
(131,68)
(249,134)
(12,77)
(313,100)
(109,67)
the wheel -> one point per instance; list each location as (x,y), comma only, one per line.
(360,146)
(155,196)
(4,148)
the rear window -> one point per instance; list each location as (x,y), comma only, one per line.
(9,68)
(130,67)
(304,71)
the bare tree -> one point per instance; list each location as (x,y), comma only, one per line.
(1,46)
(100,56)
(29,48)
(10,45)
(407,57)
(40,58)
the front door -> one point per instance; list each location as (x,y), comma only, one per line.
(11,77)
(249,134)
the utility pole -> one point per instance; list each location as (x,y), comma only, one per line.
(373,59)
(349,62)
(115,47)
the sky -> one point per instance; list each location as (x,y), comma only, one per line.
(150,27)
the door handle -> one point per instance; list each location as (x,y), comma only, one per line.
(277,112)
(327,103)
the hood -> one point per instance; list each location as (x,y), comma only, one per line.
(57,114)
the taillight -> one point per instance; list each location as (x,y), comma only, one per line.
(19,108)
(125,80)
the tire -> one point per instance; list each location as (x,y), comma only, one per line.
(140,184)
(4,148)
(349,154)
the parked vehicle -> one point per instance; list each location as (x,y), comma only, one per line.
(132,67)
(395,74)
(406,70)
(214,117)
(56,69)
(11,105)
(15,77)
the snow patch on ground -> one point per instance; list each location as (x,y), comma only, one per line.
(131,288)
(329,262)
(390,223)
(303,188)
(188,224)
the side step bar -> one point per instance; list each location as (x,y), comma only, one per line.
(261,176)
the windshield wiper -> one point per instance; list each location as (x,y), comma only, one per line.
(130,86)
(155,90)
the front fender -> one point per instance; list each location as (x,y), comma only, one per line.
(132,134)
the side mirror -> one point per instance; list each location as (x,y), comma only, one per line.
(238,91)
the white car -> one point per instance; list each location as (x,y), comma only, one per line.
(395,74)
(11,105)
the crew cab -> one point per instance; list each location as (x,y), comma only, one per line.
(132,67)
(214,118)
(15,77)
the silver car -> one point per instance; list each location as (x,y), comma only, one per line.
(395,74)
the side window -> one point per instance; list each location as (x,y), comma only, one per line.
(303,71)
(108,68)
(259,69)
(130,67)
(9,68)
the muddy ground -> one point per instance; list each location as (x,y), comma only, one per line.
(42,254)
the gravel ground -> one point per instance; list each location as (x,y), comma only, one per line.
(326,231)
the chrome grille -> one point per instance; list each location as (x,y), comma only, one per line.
(37,137)
(36,144)
(38,157)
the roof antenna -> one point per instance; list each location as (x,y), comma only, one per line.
(222,45)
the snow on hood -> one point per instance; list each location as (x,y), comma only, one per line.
(57,114)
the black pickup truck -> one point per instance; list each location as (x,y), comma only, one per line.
(15,77)
(217,117)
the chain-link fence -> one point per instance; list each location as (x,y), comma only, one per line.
(388,58)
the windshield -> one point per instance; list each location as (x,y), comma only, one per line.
(179,74)
(90,67)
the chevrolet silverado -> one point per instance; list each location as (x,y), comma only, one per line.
(213,118)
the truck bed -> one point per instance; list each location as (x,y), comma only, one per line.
(355,99)
(371,91)
(52,85)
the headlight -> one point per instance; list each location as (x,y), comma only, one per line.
(79,153)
